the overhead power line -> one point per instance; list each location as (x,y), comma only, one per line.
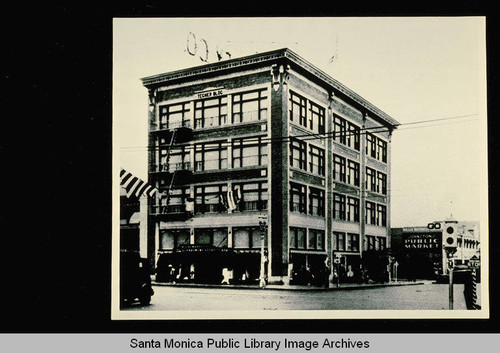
(326,135)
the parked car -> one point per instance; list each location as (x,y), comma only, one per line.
(460,272)
(135,279)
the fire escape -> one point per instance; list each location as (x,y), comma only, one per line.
(167,177)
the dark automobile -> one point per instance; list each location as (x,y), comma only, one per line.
(460,273)
(135,280)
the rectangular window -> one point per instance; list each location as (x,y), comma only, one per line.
(246,238)
(210,112)
(210,156)
(248,152)
(316,160)
(174,115)
(370,145)
(176,200)
(381,183)
(382,243)
(353,136)
(352,242)
(376,147)
(339,129)
(297,238)
(371,181)
(316,202)
(176,159)
(298,154)
(298,109)
(352,209)
(339,170)
(381,215)
(381,150)
(352,173)
(297,198)
(346,133)
(317,118)
(254,196)
(338,241)
(211,236)
(171,239)
(208,198)
(249,106)
(320,240)
(339,206)
(315,239)
(371,242)
(370,213)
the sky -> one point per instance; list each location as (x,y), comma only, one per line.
(428,73)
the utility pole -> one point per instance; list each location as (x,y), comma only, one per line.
(450,247)
(450,279)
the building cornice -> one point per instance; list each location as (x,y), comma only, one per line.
(271,57)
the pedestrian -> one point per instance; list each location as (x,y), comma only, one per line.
(170,273)
(364,276)
(191,273)
(326,276)
(309,276)
(350,274)
(225,276)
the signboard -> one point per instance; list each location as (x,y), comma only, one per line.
(210,94)
(422,241)
(474,261)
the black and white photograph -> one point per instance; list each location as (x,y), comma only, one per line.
(299,167)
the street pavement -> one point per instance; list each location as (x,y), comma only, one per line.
(401,296)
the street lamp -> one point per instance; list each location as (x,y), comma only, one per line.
(263,231)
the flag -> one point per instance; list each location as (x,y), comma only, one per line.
(233,199)
(134,185)
(190,204)
(237,197)
(223,201)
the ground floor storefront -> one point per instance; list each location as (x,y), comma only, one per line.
(209,264)
(221,265)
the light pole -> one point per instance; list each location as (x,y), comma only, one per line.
(337,268)
(450,247)
(263,231)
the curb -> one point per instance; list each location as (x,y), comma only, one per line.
(287,287)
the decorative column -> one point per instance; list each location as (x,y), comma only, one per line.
(388,188)
(362,189)
(329,188)
(152,224)
(278,251)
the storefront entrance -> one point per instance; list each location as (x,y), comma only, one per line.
(308,269)
(208,264)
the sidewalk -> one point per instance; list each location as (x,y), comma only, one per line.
(285,287)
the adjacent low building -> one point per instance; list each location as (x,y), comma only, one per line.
(420,251)
(266,166)
(133,223)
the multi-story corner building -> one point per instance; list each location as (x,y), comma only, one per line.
(265,138)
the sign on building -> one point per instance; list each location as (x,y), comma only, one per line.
(422,241)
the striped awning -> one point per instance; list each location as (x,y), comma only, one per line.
(135,186)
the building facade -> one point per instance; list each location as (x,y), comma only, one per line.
(265,164)
(420,251)
(133,223)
